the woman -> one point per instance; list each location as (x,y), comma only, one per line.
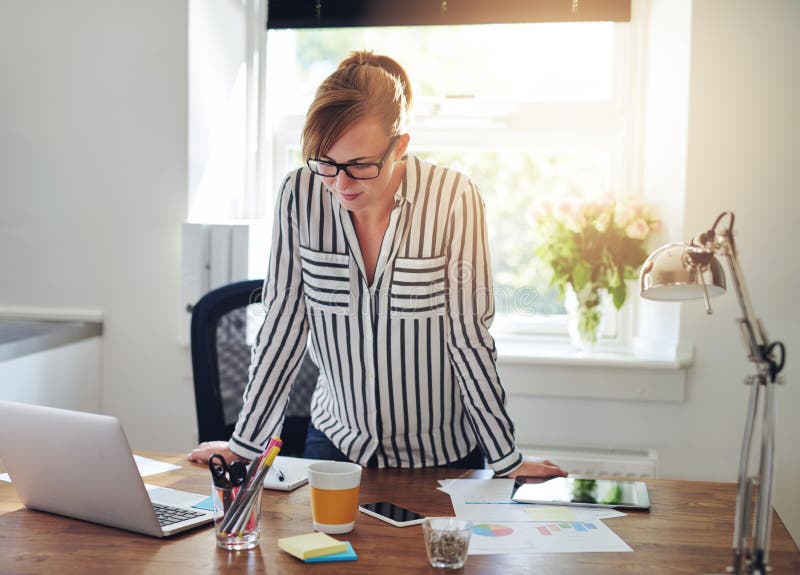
(382,259)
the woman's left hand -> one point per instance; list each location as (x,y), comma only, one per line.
(538,467)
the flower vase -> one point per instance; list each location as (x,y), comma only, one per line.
(584,315)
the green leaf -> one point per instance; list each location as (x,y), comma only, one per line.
(581,275)
(618,295)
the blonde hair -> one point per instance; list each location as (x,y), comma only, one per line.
(364,85)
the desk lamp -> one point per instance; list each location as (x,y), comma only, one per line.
(678,272)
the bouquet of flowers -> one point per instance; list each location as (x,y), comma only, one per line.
(592,245)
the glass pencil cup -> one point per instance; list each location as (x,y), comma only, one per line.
(236,527)
(447,541)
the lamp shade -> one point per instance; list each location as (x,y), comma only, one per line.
(675,273)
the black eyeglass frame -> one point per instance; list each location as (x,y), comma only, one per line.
(346,167)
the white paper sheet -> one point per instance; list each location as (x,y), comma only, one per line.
(563,537)
(149,466)
(480,490)
(145,465)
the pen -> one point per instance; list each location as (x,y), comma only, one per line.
(255,476)
(279,473)
(241,515)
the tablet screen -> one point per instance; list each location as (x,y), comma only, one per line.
(591,492)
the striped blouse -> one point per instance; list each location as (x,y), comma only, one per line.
(407,364)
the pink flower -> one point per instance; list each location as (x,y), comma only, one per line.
(570,214)
(592,209)
(637,230)
(623,215)
(602,222)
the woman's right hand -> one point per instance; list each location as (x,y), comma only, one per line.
(203,452)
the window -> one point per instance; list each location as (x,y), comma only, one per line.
(526,110)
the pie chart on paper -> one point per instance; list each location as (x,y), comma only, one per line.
(492,530)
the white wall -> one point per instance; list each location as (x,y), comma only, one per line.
(742,156)
(93,186)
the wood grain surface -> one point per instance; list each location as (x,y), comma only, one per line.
(688,530)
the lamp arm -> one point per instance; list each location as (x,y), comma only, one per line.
(760,350)
(752,331)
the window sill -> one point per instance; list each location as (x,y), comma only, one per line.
(531,367)
(532,351)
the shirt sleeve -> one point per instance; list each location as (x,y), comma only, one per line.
(281,341)
(471,346)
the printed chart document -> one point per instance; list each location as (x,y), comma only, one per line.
(480,490)
(561,537)
(529,512)
(490,500)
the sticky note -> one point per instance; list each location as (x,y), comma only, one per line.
(349,555)
(311,545)
(206,504)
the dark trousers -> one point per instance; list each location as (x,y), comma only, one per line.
(318,446)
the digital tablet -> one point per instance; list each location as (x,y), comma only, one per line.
(588,492)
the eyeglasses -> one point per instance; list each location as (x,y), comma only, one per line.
(356,170)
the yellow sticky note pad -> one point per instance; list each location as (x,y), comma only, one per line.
(550,513)
(311,545)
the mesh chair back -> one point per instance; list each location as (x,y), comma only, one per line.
(221,359)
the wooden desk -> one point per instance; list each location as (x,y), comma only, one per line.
(688,531)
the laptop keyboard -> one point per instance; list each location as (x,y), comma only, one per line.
(167,515)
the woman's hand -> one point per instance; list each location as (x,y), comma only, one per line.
(538,467)
(203,452)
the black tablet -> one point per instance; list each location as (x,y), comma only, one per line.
(579,491)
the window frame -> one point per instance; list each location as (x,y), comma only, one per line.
(609,125)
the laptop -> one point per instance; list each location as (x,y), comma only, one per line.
(80,465)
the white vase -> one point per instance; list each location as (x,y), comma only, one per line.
(584,315)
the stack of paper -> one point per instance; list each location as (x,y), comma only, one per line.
(505,526)
(317,547)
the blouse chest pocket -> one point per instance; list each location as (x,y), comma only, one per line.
(418,288)
(326,281)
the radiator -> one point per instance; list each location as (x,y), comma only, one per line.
(599,461)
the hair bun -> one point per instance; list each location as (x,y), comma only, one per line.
(368,58)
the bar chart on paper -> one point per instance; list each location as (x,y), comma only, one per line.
(564,528)
(492,530)
(551,537)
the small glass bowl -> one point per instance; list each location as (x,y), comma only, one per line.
(447,541)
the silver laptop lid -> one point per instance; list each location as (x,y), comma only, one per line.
(74,464)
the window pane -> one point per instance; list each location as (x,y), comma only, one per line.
(511,181)
(564,62)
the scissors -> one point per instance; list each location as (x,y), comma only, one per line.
(220,473)
(228,477)
(237,471)
(225,474)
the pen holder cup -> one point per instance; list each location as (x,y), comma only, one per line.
(237,524)
(447,541)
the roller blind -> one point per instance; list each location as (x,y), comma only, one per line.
(352,13)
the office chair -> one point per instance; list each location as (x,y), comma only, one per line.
(220,362)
